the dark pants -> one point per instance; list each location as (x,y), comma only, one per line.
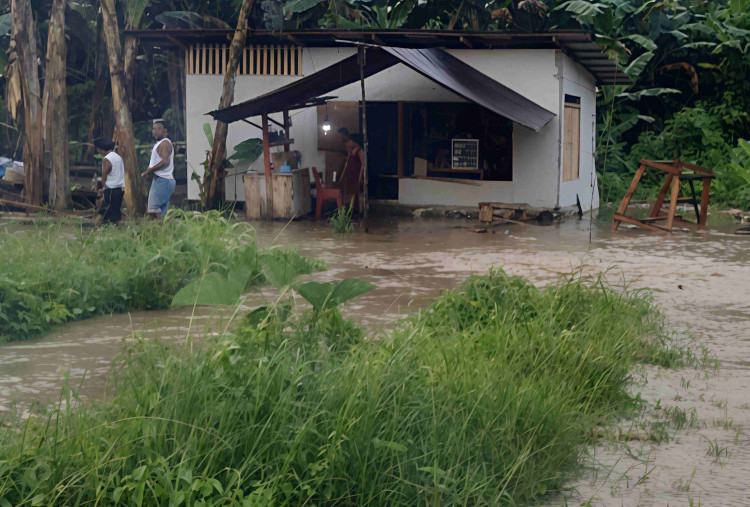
(111,205)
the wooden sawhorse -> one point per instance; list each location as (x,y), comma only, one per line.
(676,174)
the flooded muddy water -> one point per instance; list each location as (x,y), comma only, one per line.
(701,281)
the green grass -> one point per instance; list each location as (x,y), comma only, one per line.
(53,273)
(484,398)
(342,219)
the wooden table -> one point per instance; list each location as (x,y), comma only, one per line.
(675,175)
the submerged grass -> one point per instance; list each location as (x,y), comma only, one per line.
(483,398)
(52,274)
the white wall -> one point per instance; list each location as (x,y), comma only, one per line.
(536,155)
(577,81)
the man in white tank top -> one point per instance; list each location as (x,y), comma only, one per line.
(113,183)
(162,167)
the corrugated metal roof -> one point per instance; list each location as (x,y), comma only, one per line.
(579,45)
(435,64)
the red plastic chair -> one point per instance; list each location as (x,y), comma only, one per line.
(325,194)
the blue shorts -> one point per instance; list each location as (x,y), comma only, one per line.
(158,196)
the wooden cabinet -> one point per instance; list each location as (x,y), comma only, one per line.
(291,195)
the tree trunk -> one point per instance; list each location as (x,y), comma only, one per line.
(97,97)
(219,148)
(23,33)
(174,75)
(55,105)
(134,195)
(130,51)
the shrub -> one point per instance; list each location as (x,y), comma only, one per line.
(53,273)
(483,398)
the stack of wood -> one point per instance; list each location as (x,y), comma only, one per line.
(490,212)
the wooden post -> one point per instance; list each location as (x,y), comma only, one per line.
(286,129)
(660,198)
(267,167)
(628,196)
(400,139)
(704,203)
(673,202)
(365,199)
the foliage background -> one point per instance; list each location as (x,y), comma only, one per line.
(688,60)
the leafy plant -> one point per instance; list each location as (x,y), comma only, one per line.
(248,150)
(55,273)
(324,296)
(342,219)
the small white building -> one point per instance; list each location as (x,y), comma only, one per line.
(532,114)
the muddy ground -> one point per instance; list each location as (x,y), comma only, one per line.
(701,281)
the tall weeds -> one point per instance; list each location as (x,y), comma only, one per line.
(52,273)
(483,398)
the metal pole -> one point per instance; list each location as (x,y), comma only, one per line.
(361,55)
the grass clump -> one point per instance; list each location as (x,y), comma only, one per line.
(342,219)
(483,398)
(52,274)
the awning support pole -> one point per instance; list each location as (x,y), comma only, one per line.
(267,166)
(361,54)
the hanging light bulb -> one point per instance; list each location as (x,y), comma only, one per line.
(326,125)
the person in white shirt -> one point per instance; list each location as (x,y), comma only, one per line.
(113,183)
(162,167)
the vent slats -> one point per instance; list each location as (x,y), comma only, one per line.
(213,59)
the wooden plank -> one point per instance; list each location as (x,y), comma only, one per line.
(628,196)
(262,59)
(656,208)
(210,69)
(673,202)
(267,165)
(697,168)
(272,58)
(189,60)
(204,62)
(252,195)
(662,167)
(300,71)
(485,212)
(633,221)
(282,196)
(251,63)
(400,139)
(704,203)
(572,143)
(287,134)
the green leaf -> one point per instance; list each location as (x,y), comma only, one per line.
(240,274)
(583,8)
(349,289)
(393,446)
(5,24)
(209,133)
(280,270)
(649,92)
(248,150)
(643,41)
(327,295)
(212,289)
(295,6)
(180,19)
(638,65)
(316,293)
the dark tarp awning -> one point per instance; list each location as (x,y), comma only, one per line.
(435,64)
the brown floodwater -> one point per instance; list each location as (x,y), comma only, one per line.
(701,281)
